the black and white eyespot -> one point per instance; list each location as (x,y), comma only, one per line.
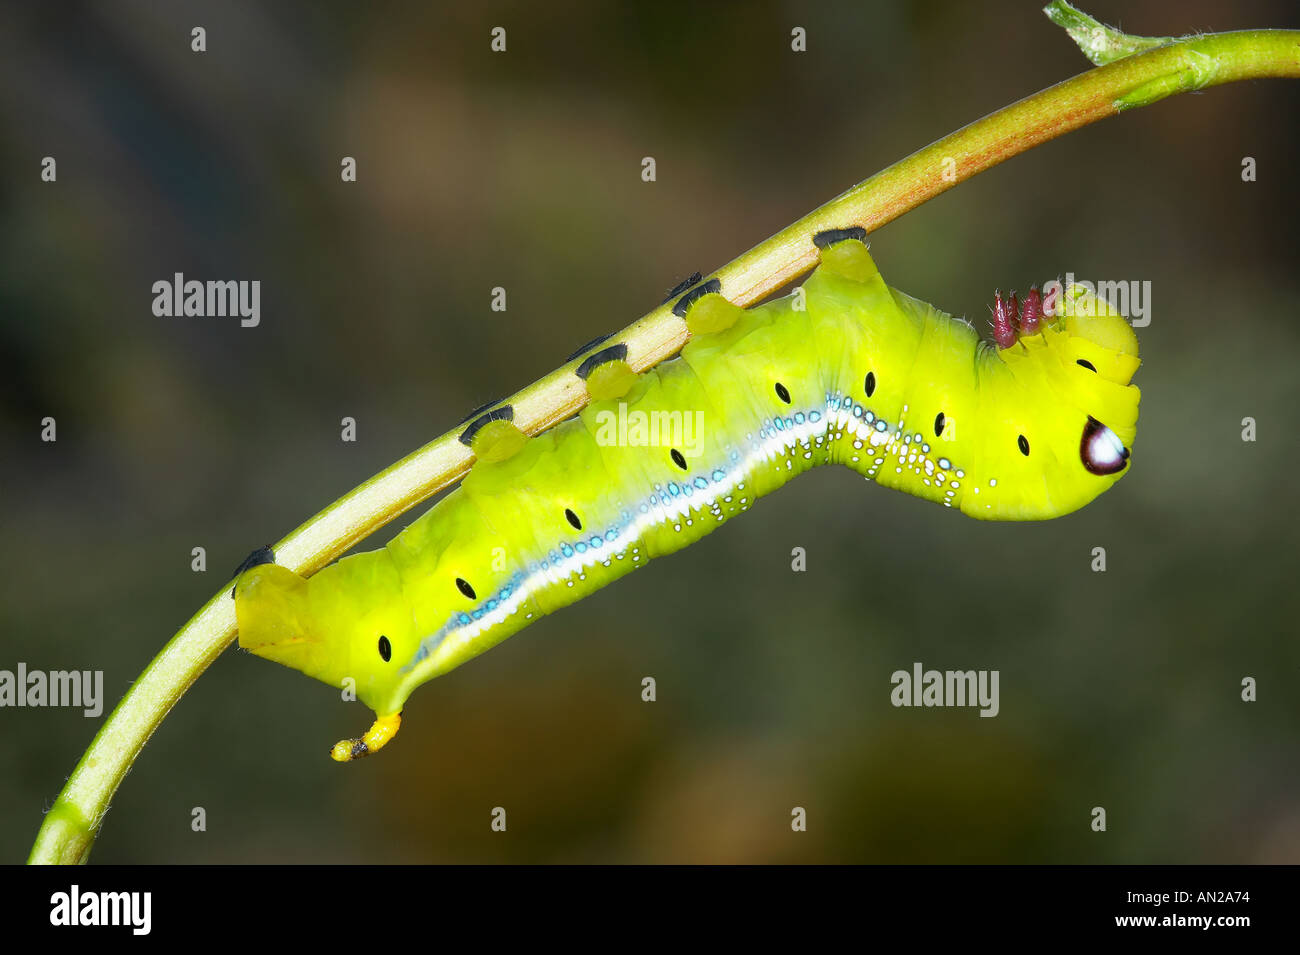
(939,422)
(782,392)
(572,518)
(1086,364)
(679,459)
(869,386)
(465,588)
(1023,443)
(385,649)
(1101,450)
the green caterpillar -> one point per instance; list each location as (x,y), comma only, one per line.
(844,371)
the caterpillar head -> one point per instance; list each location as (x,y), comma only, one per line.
(350,621)
(1059,414)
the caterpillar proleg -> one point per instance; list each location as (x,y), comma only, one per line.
(858,374)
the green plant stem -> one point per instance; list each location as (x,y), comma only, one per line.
(71,825)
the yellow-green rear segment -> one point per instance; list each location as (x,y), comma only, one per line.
(845,371)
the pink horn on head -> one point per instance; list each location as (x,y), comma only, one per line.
(1032,315)
(1004,325)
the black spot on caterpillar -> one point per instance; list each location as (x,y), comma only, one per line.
(689,299)
(612,353)
(463,586)
(504,413)
(782,392)
(1086,364)
(939,422)
(829,237)
(572,518)
(681,287)
(263,555)
(385,649)
(588,347)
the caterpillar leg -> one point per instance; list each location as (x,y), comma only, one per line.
(493,436)
(263,555)
(705,310)
(607,373)
(383,730)
(844,252)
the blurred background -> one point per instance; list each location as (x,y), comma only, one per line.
(522,170)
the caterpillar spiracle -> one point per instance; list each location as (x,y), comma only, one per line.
(844,371)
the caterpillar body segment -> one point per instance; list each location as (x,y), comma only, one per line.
(847,372)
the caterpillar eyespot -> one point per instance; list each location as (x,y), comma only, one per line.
(1101,450)
(501,526)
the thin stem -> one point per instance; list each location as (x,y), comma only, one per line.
(71,825)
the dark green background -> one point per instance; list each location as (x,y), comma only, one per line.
(523,170)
